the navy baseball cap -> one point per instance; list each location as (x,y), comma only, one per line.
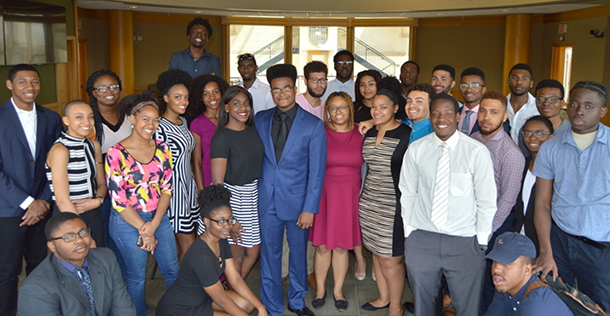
(509,246)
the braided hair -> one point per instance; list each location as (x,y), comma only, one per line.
(97,116)
(600,88)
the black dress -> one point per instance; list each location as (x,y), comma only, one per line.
(200,268)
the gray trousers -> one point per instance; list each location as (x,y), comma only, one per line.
(429,255)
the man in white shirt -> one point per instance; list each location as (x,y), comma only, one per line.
(448,202)
(315,81)
(522,103)
(344,66)
(261,93)
(27,132)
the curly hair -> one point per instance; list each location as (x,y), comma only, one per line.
(212,198)
(200,21)
(132,103)
(393,84)
(373,73)
(97,116)
(197,107)
(172,77)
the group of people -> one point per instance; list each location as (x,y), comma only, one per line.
(463,201)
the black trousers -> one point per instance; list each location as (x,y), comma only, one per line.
(17,242)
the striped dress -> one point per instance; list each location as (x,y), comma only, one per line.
(183,210)
(379,210)
(81,167)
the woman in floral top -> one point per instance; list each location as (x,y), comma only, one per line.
(139,183)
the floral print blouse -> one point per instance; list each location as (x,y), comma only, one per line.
(140,185)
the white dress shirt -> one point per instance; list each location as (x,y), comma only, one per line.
(472,188)
(261,96)
(29,123)
(336,85)
(517,120)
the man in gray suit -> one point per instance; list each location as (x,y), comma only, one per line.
(73,279)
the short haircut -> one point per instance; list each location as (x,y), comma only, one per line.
(282,71)
(473,71)
(411,62)
(21,67)
(315,66)
(57,220)
(527,260)
(73,102)
(212,198)
(196,106)
(551,83)
(600,88)
(246,56)
(348,100)
(447,68)
(132,104)
(373,73)
(230,94)
(343,52)
(171,78)
(199,21)
(544,120)
(522,66)
(496,95)
(423,87)
(445,96)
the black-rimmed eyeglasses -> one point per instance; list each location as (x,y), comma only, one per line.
(70,237)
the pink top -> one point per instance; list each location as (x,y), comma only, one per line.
(204,127)
(317,111)
(140,185)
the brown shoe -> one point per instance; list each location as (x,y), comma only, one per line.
(284,279)
(447,301)
(311,279)
(448,313)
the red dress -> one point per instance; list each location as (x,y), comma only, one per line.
(337,224)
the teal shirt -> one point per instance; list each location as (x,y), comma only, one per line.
(419,130)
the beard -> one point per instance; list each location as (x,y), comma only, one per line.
(314,94)
(492,130)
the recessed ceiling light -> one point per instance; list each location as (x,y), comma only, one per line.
(198,12)
(440,14)
(505,10)
(133,7)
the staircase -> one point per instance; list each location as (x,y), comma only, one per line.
(270,54)
(371,58)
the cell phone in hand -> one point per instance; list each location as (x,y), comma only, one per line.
(140,241)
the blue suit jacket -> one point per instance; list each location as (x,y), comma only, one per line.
(295,182)
(22,175)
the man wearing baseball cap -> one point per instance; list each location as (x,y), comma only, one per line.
(513,256)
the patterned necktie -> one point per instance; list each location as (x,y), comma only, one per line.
(466,124)
(84,274)
(281,136)
(441,189)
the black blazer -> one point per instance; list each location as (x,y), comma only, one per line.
(528,218)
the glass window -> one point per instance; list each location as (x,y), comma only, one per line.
(266,43)
(381,48)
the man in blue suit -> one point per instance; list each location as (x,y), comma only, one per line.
(289,189)
(27,132)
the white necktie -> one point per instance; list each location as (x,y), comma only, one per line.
(441,189)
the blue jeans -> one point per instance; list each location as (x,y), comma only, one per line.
(126,238)
(106,209)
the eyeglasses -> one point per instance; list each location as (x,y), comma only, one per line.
(70,237)
(341,108)
(473,85)
(223,222)
(247,56)
(537,134)
(346,63)
(551,100)
(284,89)
(316,80)
(103,89)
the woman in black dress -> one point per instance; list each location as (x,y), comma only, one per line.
(198,290)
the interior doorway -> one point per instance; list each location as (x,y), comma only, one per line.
(561,64)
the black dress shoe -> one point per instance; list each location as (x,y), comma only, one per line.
(370,307)
(410,307)
(319,302)
(341,305)
(305,311)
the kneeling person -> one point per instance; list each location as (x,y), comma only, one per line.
(74,279)
(513,256)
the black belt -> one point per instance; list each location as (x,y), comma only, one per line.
(589,242)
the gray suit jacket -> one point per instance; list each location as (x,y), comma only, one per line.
(52,290)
